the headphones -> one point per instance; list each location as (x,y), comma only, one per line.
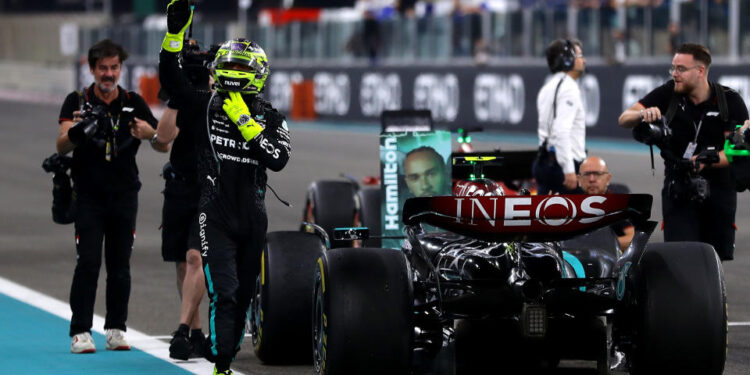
(565,61)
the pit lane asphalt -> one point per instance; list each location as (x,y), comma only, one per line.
(40,255)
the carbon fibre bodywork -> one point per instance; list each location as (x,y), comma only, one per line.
(576,280)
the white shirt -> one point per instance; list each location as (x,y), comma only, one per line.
(568,128)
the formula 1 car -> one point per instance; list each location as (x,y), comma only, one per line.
(497,283)
(496,290)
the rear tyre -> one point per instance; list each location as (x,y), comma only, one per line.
(681,319)
(330,204)
(363,307)
(281,307)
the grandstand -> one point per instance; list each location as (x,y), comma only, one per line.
(616,31)
(469,61)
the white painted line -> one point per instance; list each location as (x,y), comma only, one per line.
(739,324)
(145,343)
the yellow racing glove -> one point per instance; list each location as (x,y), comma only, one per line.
(237,111)
(179,16)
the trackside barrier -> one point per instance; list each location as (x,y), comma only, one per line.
(303,101)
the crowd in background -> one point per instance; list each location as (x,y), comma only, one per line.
(398,31)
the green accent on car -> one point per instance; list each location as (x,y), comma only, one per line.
(577,267)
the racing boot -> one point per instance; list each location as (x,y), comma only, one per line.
(227,372)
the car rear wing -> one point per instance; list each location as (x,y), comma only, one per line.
(537,218)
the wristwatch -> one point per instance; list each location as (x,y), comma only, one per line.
(243,120)
(155,139)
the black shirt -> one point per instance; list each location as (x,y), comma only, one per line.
(184,157)
(91,172)
(687,119)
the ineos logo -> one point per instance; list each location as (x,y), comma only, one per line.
(499,98)
(547,208)
(438,93)
(379,92)
(332,94)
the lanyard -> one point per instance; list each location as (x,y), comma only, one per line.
(698,127)
(111,147)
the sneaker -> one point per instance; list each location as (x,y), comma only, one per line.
(198,342)
(116,340)
(180,346)
(227,372)
(82,343)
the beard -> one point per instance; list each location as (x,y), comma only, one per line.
(106,89)
(682,88)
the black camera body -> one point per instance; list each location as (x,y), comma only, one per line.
(652,134)
(89,125)
(196,63)
(686,184)
(63,194)
(691,186)
(57,163)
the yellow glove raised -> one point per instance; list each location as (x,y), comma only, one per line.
(237,111)
(179,16)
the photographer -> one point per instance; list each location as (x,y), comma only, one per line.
(699,200)
(239,136)
(94,124)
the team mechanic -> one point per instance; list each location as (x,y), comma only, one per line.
(181,196)
(562,125)
(235,147)
(106,182)
(700,114)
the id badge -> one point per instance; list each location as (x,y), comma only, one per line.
(690,150)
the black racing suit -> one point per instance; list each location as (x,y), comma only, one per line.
(712,220)
(232,218)
(107,199)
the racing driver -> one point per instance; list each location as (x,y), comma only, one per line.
(239,136)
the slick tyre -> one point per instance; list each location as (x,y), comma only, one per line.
(281,306)
(363,307)
(681,315)
(369,214)
(330,204)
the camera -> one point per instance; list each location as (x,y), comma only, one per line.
(57,163)
(652,134)
(690,186)
(63,195)
(89,124)
(196,63)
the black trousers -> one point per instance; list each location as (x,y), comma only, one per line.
(178,219)
(549,176)
(108,218)
(231,262)
(711,221)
